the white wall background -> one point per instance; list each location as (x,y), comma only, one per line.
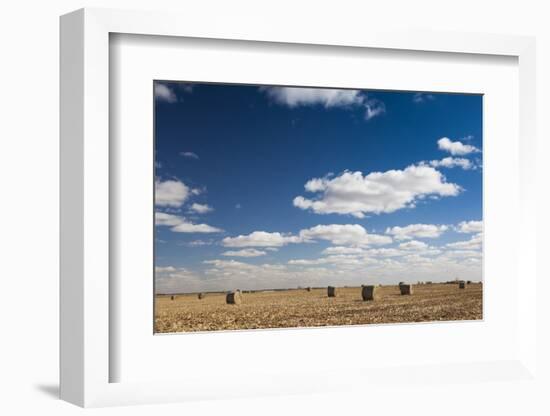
(29,188)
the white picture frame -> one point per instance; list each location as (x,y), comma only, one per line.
(86,290)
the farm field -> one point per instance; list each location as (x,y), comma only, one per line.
(299,308)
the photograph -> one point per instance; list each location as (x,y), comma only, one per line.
(299,207)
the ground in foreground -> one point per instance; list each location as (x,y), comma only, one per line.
(300,308)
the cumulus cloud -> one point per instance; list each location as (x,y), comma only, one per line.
(166,269)
(238,265)
(452,162)
(260,239)
(413,245)
(344,235)
(460,254)
(247,252)
(164,93)
(339,259)
(189,155)
(468,227)
(199,243)
(171,193)
(417,231)
(336,267)
(179,224)
(295,96)
(384,252)
(163,218)
(186,87)
(188,227)
(337,234)
(343,250)
(329,98)
(474,243)
(421,97)
(172,279)
(456,148)
(201,208)
(374,108)
(378,192)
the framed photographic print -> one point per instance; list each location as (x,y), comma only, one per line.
(280,207)
(291,203)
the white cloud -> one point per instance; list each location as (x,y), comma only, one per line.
(463,254)
(181,225)
(456,148)
(199,243)
(235,268)
(467,227)
(416,231)
(340,260)
(295,97)
(247,252)
(186,87)
(380,265)
(188,227)
(176,280)
(413,245)
(189,155)
(171,193)
(343,250)
(384,252)
(162,218)
(329,98)
(474,243)
(344,235)
(337,234)
(374,108)
(201,208)
(451,162)
(259,239)
(378,192)
(416,259)
(221,275)
(421,97)
(165,269)
(164,93)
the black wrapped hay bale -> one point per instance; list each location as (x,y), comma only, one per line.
(173,297)
(233,298)
(462,284)
(200,296)
(368,292)
(331,292)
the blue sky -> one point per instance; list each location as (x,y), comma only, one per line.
(267,187)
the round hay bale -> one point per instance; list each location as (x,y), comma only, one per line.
(200,296)
(462,284)
(234,298)
(173,297)
(368,292)
(469,282)
(308,289)
(406,289)
(331,292)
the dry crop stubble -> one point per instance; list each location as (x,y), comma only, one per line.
(301,308)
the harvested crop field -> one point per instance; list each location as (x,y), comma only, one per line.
(302,308)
